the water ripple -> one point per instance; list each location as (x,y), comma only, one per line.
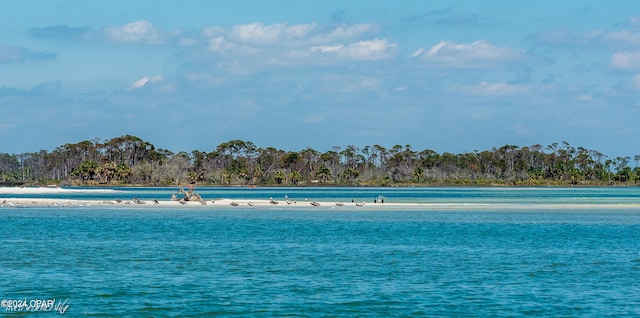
(113,263)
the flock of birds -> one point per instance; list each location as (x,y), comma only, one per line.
(136,200)
(288,201)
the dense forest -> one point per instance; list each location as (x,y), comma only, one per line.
(129,160)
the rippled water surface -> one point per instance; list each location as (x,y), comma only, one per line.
(119,261)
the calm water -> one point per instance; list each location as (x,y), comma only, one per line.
(483,195)
(336,262)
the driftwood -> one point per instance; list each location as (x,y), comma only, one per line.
(189,195)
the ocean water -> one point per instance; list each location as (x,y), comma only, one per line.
(192,261)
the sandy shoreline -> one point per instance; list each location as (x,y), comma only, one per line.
(25,202)
(8,202)
(245,203)
(50,190)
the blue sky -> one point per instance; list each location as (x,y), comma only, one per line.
(451,76)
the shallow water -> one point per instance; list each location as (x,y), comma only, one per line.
(314,262)
(459,195)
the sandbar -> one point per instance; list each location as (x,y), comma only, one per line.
(8,202)
(247,203)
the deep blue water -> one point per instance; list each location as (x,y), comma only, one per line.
(327,262)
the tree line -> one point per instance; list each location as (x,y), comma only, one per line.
(129,160)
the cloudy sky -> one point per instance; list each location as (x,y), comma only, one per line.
(452,76)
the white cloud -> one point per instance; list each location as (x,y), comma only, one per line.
(370,50)
(343,32)
(244,48)
(134,32)
(622,37)
(145,81)
(327,48)
(626,60)
(260,34)
(221,45)
(496,89)
(286,35)
(139,83)
(419,52)
(474,54)
(299,30)
(252,34)
(282,43)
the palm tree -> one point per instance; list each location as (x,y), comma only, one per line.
(107,171)
(323,173)
(279,176)
(87,169)
(123,172)
(350,174)
(295,177)
(418,173)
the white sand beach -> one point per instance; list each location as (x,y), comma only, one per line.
(245,203)
(49,190)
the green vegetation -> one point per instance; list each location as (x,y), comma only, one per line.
(128,160)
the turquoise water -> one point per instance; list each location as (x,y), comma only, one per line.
(464,195)
(319,262)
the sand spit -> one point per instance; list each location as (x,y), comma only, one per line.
(50,190)
(271,203)
(235,203)
(135,202)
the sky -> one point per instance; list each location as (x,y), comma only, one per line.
(450,76)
